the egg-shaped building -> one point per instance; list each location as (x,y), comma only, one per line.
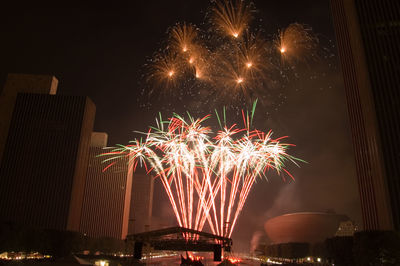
(310,227)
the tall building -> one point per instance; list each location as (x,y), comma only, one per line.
(107,198)
(45,156)
(142,203)
(20,83)
(368,39)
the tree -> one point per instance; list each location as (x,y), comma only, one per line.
(340,250)
(377,248)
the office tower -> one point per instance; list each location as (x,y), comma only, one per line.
(368,39)
(20,83)
(44,163)
(105,211)
(142,203)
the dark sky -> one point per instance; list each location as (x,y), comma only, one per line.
(99,51)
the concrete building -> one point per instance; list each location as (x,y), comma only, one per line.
(368,39)
(142,203)
(45,155)
(107,198)
(20,83)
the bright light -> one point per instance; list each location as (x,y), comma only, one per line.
(234,260)
(239,80)
(319,259)
(308,259)
(235,34)
(177,149)
(191,60)
(184,49)
(101,263)
(249,64)
(283,50)
(171,73)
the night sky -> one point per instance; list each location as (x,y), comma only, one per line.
(100,52)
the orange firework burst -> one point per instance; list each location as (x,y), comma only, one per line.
(242,69)
(183,37)
(296,43)
(231,17)
(198,61)
(231,77)
(165,70)
(224,69)
(254,56)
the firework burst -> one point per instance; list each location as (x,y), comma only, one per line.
(296,43)
(183,38)
(231,18)
(166,71)
(207,178)
(228,62)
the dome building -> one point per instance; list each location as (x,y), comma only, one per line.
(310,227)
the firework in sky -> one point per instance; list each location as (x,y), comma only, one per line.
(232,18)
(296,43)
(226,59)
(207,176)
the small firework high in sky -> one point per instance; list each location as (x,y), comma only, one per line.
(227,60)
(207,179)
(296,43)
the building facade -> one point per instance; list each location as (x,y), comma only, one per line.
(20,83)
(44,163)
(142,203)
(368,39)
(346,228)
(107,198)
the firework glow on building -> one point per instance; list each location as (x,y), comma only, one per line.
(207,176)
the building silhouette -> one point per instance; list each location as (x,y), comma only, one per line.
(45,155)
(368,39)
(20,83)
(107,198)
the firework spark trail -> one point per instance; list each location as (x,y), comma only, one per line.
(227,60)
(207,179)
(296,43)
(231,17)
(183,37)
(141,152)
